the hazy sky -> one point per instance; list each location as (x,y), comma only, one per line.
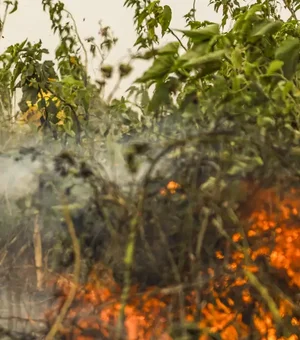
(31,22)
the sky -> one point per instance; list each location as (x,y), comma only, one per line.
(31,22)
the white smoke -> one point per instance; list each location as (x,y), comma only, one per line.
(18,178)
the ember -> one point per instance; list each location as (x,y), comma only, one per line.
(258,285)
(171,188)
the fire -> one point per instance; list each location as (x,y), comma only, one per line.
(273,236)
(171,188)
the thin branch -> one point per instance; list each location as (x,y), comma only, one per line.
(177,38)
(38,252)
(82,45)
(194,9)
(287,5)
(3,21)
(68,302)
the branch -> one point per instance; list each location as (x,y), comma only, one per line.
(76,247)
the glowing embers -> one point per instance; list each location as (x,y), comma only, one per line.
(278,232)
(96,307)
(171,188)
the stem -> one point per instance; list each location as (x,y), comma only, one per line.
(82,45)
(38,252)
(194,9)
(176,36)
(116,87)
(290,8)
(76,247)
(4,20)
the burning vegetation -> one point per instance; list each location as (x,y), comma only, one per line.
(250,290)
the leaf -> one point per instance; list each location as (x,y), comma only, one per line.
(252,10)
(236,58)
(30,94)
(15,8)
(161,96)
(237,169)
(265,121)
(274,66)
(147,55)
(142,16)
(266,28)
(288,52)
(159,69)
(16,72)
(194,52)
(170,48)
(165,19)
(208,58)
(152,5)
(202,34)
(68,128)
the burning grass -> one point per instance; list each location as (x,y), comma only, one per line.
(253,290)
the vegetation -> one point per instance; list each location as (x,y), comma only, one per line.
(207,211)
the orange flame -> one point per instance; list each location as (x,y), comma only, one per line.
(171,188)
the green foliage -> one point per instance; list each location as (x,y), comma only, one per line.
(149,16)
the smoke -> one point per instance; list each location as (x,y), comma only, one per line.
(18,176)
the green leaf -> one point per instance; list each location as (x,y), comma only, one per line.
(202,34)
(161,96)
(152,5)
(30,94)
(68,128)
(266,28)
(208,58)
(165,19)
(252,10)
(15,8)
(236,58)
(195,52)
(288,52)
(265,121)
(170,48)
(159,69)
(237,168)
(16,72)
(142,16)
(274,66)
(147,55)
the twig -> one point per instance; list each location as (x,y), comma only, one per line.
(194,9)
(3,21)
(82,45)
(76,247)
(116,87)
(287,5)
(128,260)
(177,38)
(38,252)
